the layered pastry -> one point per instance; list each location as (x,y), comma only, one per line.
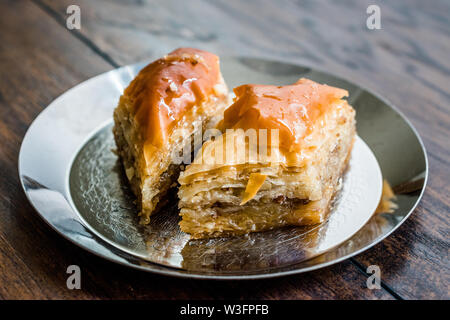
(278,162)
(168,102)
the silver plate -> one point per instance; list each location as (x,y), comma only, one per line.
(75,183)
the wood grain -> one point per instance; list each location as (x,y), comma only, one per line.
(39,60)
(406,61)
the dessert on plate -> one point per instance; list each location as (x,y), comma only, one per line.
(278,162)
(159,112)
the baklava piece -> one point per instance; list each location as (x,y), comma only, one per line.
(159,112)
(287,175)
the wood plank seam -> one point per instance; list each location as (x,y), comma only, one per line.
(60,20)
(385,286)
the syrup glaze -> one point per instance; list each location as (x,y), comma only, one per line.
(167,88)
(292,109)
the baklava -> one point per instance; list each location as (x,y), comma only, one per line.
(169,101)
(286,175)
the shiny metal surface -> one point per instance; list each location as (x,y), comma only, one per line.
(73,180)
(101,197)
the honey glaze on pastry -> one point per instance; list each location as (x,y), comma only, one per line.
(167,88)
(292,109)
(316,130)
(157,115)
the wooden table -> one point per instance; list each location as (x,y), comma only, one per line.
(407,61)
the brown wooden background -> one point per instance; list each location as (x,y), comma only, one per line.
(407,62)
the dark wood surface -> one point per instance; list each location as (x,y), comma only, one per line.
(407,61)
